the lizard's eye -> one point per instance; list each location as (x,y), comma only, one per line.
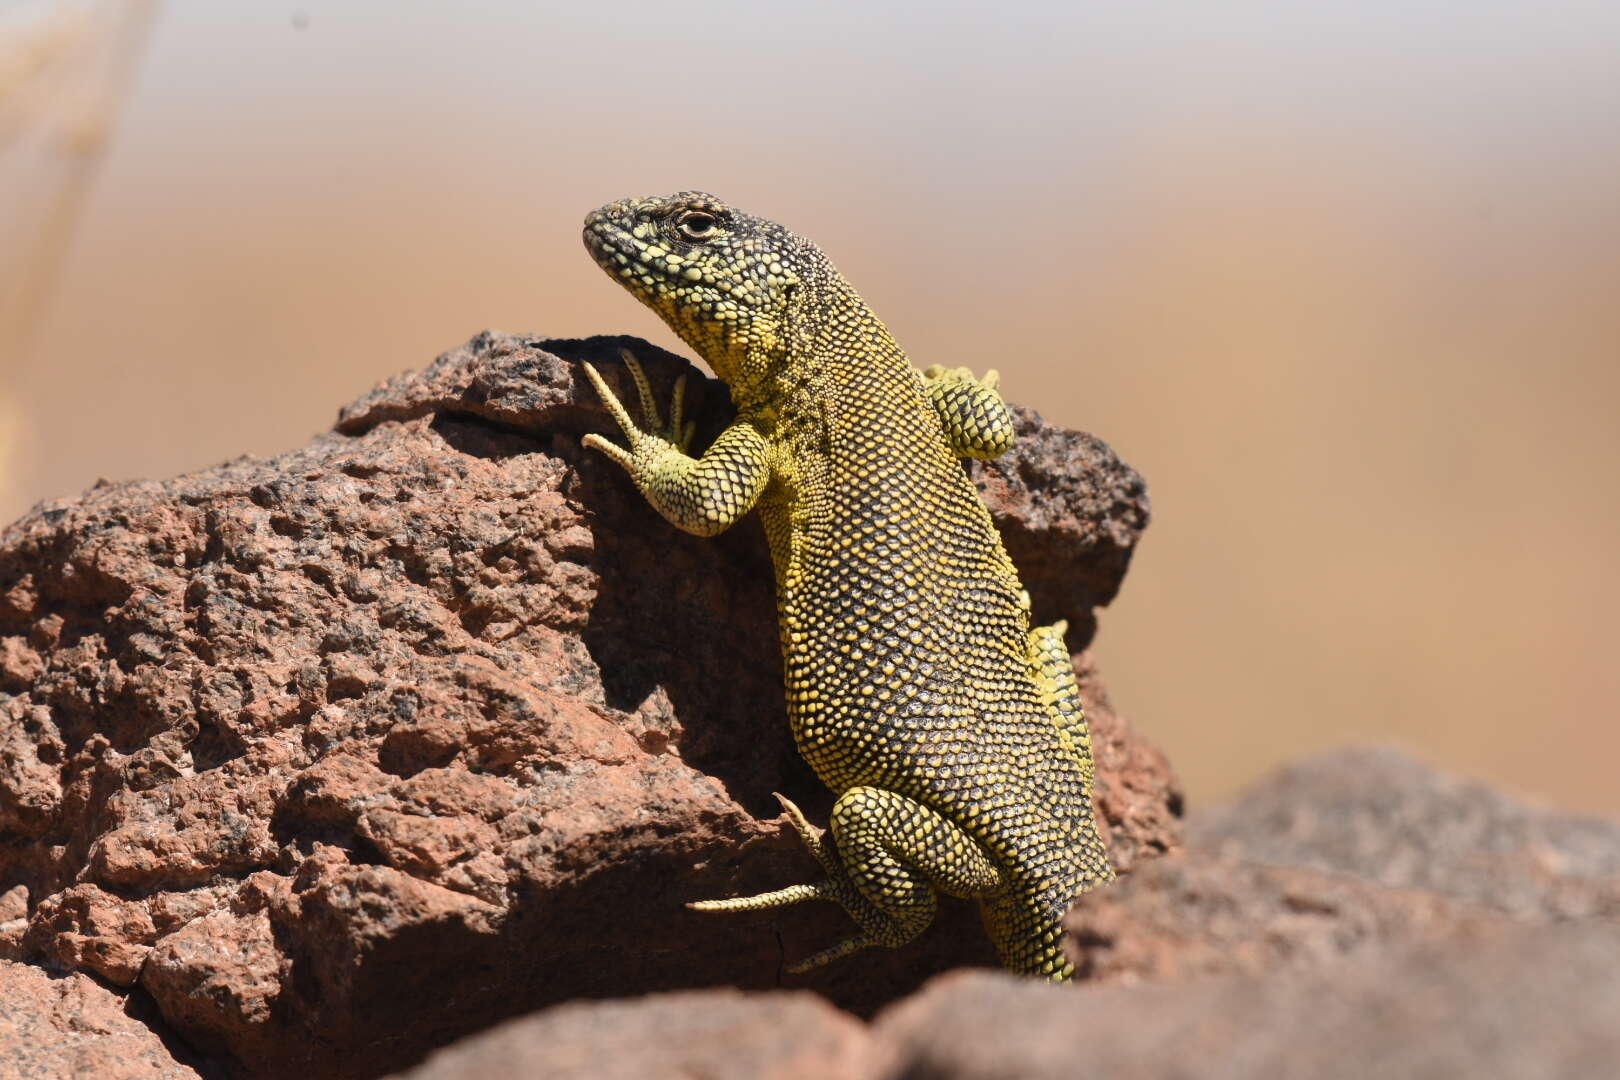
(697,225)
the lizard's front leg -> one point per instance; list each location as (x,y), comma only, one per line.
(977,422)
(892,855)
(704,495)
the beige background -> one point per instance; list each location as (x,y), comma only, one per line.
(1342,279)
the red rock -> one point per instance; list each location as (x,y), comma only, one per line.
(1195,916)
(346,753)
(1506,1001)
(217,978)
(90,929)
(68,1026)
(20,664)
(714,1034)
(187,830)
(1138,799)
(30,766)
(1384,815)
(13,921)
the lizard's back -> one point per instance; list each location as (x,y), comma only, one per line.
(905,626)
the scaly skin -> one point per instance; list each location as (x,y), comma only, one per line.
(951,732)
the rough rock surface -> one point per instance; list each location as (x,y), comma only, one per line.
(1510,1001)
(1380,814)
(1499,999)
(1211,966)
(1193,916)
(713,1034)
(1341,852)
(339,755)
(68,1025)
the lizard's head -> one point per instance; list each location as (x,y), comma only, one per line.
(722,279)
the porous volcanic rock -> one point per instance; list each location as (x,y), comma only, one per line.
(1381,814)
(342,754)
(1191,916)
(713,1034)
(56,1026)
(1337,853)
(1509,1001)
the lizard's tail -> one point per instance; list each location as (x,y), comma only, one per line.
(1028,935)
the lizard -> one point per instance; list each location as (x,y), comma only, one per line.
(950,731)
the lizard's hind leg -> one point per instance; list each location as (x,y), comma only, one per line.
(891,856)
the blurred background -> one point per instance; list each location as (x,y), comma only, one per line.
(1341,279)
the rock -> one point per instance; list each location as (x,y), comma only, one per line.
(714,1034)
(346,753)
(67,1026)
(1070,513)
(218,978)
(90,929)
(13,921)
(1510,1001)
(1138,799)
(1193,916)
(1381,814)
(1338,853)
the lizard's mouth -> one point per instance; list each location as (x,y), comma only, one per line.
(610,243)
(663,275)
(638,264)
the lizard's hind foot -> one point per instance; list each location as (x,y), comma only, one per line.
(892,856)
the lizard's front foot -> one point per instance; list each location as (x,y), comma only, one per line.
(651,439)
(701,495)
(977,423)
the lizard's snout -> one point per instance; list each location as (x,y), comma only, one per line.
(605,232)
(602,215)
(606,222)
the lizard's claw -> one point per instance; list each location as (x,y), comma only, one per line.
(617,411)
(835,886)
(989,380)
(679,431)
(812,837)
(829,889)
(649,405)
(827,956)
(793,894)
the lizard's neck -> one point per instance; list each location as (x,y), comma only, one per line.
(827,335)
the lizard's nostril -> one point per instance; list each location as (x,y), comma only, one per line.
(607,215)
